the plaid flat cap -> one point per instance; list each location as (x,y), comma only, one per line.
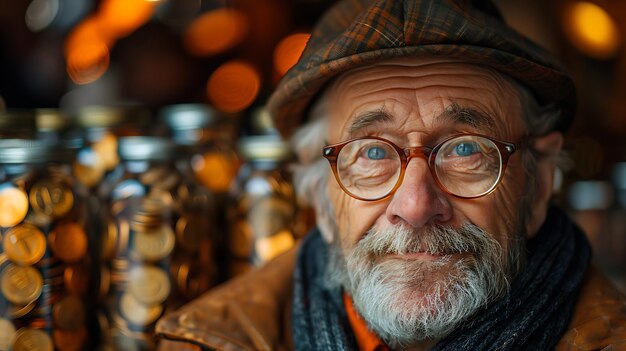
(354,33)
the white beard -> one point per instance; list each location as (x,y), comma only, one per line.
(406,301)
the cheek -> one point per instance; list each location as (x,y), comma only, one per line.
(498,212)
(353,217)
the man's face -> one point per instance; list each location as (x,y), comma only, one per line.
(472,238)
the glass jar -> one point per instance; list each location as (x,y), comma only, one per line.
(157,251)
(46,252)
(263,205)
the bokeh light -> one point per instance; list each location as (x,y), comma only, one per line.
(40,13)
(87,51)
(122,17)
(234,86)
(215,32)
(288,51)
(592,30)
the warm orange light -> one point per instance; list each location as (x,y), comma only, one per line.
(592,30)
(288,51)
(87,62)
(216,32)
(233,86)
(122,17)
(87,51)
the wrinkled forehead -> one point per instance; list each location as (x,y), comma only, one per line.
(424,87)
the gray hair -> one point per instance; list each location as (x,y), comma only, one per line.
(312,173)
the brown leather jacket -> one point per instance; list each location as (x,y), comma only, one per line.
(252,313)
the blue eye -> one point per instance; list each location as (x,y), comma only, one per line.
(376,153)
(466,149)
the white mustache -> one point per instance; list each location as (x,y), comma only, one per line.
(434,240)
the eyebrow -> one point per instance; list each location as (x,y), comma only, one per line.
(464,115)
(369,118)
(454,113)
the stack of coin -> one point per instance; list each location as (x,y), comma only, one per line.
(44,269)
(159,219)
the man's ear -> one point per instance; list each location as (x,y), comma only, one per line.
(548,147)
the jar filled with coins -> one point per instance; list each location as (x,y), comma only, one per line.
(157,250)
(263,206)
(45,251)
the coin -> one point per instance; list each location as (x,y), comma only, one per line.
(105,282)
(24,244)
(68,241)
(154,245)
(69,340)
(51,197)
(76,279)
(7,334)
(21,285)
(149,285)
(153,175)
(89,167)
(109,241)
(20,311)
(13,206)
(137,313)
(269,247)
(69,313)
(27,339)
(168,182)
(191,232)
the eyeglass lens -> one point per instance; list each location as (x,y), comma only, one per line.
(465,166)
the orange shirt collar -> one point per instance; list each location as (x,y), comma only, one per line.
(365,338)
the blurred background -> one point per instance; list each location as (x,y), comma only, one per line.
(72,54)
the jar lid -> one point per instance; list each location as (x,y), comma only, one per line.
(188,116)
(146,149)
(17,151)
(264,147)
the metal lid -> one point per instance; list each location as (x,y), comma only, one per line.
(17,151)
(188,116)
(264,147)
(146,149)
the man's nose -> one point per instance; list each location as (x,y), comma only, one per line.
(419,201)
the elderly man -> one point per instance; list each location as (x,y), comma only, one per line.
(432,135)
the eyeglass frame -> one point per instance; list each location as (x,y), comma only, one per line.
(506,149)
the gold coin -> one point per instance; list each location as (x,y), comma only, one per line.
(69,313)
(89,174)
(21,285)
(191,232)
(76,279)
(154,245)
(105,282)
(269,247)
(137,313)
(28,339)
(168,182)
(51,197)
(149,285)
(153,175)
(69,340)
(20,311)
(7,334)
(13,206)
(24,244)
(68,241)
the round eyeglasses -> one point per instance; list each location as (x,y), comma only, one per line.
(466,166)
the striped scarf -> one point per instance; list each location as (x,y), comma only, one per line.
(531,316)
